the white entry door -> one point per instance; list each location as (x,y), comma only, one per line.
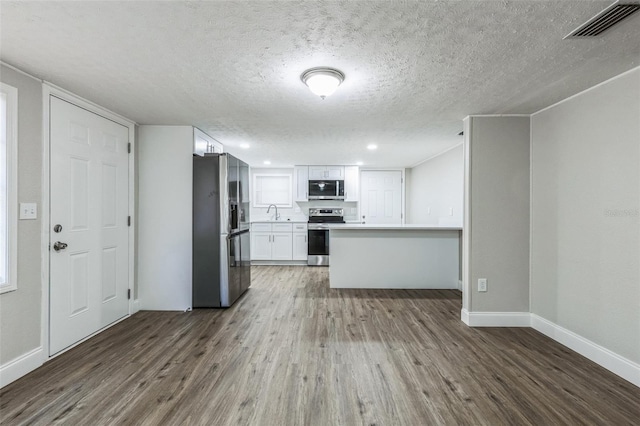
(381,196)
(89,248)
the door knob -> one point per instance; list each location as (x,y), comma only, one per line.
(57,246)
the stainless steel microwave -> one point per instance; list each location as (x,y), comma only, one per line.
(326,190)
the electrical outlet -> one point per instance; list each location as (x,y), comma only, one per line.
(482,285)
(28,211)
(428,211)
(450,211)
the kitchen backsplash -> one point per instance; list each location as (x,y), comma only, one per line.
(300,211)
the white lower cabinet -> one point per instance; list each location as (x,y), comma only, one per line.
(300,246)
(300,241)
(281,248)
(279,241)
(261,245)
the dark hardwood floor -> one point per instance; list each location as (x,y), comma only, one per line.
(294,352)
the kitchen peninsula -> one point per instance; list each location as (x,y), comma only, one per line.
(394,256)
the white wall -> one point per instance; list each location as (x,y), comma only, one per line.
(165,182)
(497,228)
(585,251)
(436,186)
(20,310)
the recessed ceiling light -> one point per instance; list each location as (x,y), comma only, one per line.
(244,145)
(359,163)
(372,146)
(322,81)
(267,162)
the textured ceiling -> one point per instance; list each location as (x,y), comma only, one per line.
(413,69)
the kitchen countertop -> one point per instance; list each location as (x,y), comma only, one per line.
(393,227)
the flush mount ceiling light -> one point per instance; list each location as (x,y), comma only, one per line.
(322,81)
(372,147)
(245,146)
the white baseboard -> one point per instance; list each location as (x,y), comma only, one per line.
(279,262)
(460,285)
(135,307)
(613,362)
(20,366)
(496,319)
(464,316)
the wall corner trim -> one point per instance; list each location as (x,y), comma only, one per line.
(21,366)
(135,306)
(498,319)
(602,356)
(464,316)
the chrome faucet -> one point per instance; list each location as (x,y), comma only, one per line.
(276,207)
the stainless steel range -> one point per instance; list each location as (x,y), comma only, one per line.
(318,229)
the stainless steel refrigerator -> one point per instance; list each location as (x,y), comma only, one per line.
(221,231)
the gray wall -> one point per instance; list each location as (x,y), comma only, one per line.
(20,319)
(436,184)
(585,252)
(499,204)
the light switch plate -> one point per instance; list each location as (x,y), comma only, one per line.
(482,285)
(28,211)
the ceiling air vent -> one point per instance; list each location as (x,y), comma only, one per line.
(605,19)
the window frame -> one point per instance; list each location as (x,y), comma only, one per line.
(11,96)
(257,189)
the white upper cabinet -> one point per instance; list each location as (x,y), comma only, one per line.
(203,143)
(351,183)
(335,172)
(350,175)
(317,172)
(326,172)
(301,179)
